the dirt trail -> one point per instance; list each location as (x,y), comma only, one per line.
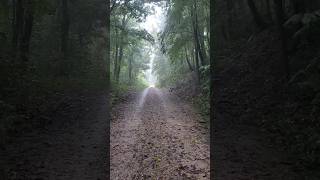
(158,136)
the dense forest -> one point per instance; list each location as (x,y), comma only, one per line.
(50,52)
(266,74)
(82,80)
(160,76)
(58,60)
(173,55)
(49,46)
(130,45)
(183,59)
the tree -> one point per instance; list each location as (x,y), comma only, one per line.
(22,27)
(282,33)
(186,35)
(65,24)
(256,16)
(125,16)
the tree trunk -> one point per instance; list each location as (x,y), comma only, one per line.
(22,30)
(119,62)
(196,34)
(229,19)
(65,23)
(256,16)
(187,59)
(14,26)
(193,58)
(26,31)
(196,58)
(208,26)
(22,24)
(116,55)
(130,69)
(106,18)
(280,21)
(269,12)
(202,46)
(121,44)
(17,24)
(213,59)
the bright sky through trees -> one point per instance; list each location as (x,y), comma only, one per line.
(153,24)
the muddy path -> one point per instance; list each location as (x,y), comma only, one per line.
(157,136)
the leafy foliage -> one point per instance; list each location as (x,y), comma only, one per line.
(274,62)
(182,60)
(32,65)
(129,46)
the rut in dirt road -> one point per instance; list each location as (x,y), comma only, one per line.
(158,136)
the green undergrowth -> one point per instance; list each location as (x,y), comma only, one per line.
(121,89)
(197,95)
(202,105)
(201,101)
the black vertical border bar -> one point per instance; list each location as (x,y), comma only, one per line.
(212,62)
(107,21)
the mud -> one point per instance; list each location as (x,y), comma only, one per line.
(158,136)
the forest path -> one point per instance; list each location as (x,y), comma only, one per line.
(157,136)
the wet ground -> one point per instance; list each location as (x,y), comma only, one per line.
(157,136)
